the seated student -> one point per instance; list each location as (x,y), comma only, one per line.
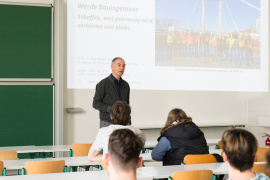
(179,137)
(120,115)
(123,158)
(239,151)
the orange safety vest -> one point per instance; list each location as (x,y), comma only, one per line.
(249,44)
(184,37)
(242,42)
(196,39)
(190,39)
(206,38)
(215,42)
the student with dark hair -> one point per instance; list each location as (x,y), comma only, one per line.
(123,158)
(120,115)
(178,138)
(239,151)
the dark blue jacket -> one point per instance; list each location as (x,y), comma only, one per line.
(185,138)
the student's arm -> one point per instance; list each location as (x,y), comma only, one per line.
(94,152)
(94,155)
(161,149)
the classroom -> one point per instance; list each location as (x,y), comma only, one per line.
(47,96)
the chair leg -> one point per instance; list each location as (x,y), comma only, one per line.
(4,172)
(214,177)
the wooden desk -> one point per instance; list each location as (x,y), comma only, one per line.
(55,148)
(22,149)
(37,149)
(152,144)
(88,175)
(69,161)
(166,171)
(148,158)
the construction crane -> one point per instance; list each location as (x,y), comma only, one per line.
(219,16)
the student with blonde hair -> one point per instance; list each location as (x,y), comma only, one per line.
(239,151)
(178,138)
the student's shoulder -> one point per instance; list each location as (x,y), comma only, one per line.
(135,130)
(260,176)
(105,130)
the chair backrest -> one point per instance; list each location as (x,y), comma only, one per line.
(103,165)
(219,144)
(44,167)
(260,168)
(191,175)
(1,167)
(80,149)
(260,154)
(199,159)
(8,155)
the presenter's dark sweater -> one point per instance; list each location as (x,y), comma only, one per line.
(106,94)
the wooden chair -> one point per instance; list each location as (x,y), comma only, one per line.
(8,155)
(260,154)
(79,150)
(260,168)
(219,145)
(103,165)
(191,175)
(43,167)
(2,169)
(199,159)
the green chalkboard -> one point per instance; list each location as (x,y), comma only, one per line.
(26,41)
(26,115)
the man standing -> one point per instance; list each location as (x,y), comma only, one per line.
(109,90)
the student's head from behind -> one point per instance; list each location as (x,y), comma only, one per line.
(120,113)
(175,116)
(239,148)
(123,151)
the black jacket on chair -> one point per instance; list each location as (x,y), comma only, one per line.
(185,138)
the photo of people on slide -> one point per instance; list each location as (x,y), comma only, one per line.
(208,33)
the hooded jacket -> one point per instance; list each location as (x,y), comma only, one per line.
(185,138)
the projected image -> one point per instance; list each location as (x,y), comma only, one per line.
(208,33)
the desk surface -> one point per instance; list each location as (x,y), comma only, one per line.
(166,171)
(66,148)
(88,175)
(151,144)
(75,161)
(22,149)
(148,158)
(55,148)
(69,161)
(37,149)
